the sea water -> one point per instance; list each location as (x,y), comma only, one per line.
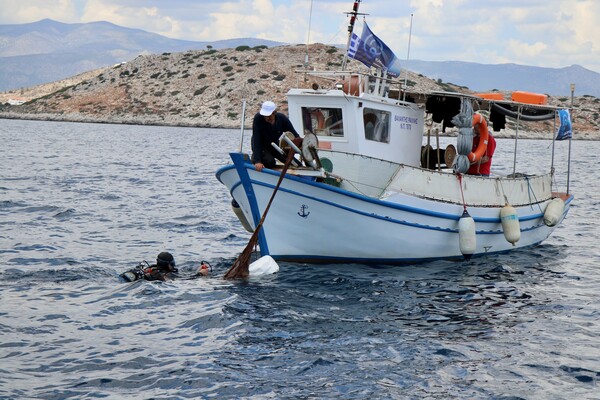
(81,203)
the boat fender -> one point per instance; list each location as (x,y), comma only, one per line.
(480,124)
(237,210)
(265,265)
(554,211)
(510,224)
(466,235)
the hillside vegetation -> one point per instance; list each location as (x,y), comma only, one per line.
(205,88)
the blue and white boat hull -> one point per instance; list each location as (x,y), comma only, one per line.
(317,222)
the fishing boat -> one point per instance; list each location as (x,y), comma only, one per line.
(364,188)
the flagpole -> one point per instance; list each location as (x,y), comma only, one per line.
(353,15)
(554,134)
(570,138)
(519,109)
(407,58)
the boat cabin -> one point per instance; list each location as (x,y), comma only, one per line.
(357,117)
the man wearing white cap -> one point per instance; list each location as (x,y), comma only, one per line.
(267,127)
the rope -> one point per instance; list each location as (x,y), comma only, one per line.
(363,184)
(530,191)
(461,192)
(498,181)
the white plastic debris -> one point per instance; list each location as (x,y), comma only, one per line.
(265,265)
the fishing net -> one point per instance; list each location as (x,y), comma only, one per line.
(239,269)
(464,144)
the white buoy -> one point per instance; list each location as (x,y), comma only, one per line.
(466,235)
(554,211)
(265,265)
(510,224)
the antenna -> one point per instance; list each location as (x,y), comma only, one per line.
(407,57)
(308,35)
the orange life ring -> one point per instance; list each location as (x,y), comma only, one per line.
(320,119)
(481,125)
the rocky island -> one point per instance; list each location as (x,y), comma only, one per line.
(205,88)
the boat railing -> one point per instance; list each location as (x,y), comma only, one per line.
(355,83)
(382,179)
(494,191)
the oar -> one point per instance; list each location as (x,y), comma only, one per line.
(239,269)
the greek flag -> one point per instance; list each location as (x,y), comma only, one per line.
(371,51)
(565,131)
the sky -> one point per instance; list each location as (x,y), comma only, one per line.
(544,33)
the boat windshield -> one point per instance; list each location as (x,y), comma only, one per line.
(377,125)
(323,121)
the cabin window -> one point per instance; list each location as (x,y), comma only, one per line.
(323,121)
(377,125)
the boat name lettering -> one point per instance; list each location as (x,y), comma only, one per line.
(405,122)
(402,118)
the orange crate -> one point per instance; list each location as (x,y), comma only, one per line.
(529,98)
(490,96)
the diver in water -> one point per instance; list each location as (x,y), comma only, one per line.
(204,269)
(164,269)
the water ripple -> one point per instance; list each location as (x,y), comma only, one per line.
(96,202)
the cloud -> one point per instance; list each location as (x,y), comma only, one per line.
(586,31)
(24,11)
(260,19)
(548,33)
(551,33)
(150,17)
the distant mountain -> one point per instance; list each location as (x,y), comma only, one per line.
(47,50)
(510,77)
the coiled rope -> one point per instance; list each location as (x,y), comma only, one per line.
(464,142)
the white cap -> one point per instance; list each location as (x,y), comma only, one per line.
(268,107)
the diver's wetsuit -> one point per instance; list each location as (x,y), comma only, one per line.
(149,273)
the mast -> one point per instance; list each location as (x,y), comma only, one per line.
(308,41)
(353,15)
(407,58)
(308,35)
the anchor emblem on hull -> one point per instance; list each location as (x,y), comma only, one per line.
(303,213)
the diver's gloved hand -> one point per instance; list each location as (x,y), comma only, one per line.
(205,268)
